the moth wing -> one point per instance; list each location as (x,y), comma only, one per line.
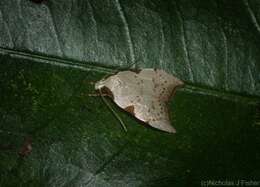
(163,125)
(126,89)
(155,113)
(164,84)
(144,95)
(160,116)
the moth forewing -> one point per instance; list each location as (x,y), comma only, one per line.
(143,94)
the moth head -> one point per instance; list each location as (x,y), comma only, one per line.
(106,82)
(103,82)
(100,84)
(110,82)
(104,86)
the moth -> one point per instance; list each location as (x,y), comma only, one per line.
(144,94)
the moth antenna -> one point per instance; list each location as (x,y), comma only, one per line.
(113,111)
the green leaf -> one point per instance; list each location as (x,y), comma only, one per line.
(77,141)
(212,43)
(50,52)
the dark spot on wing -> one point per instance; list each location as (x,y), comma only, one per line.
(107,91)
(138,98)
(130,109)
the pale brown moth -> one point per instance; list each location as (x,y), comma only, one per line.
(144,94)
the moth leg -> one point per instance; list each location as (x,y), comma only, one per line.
(113,111)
